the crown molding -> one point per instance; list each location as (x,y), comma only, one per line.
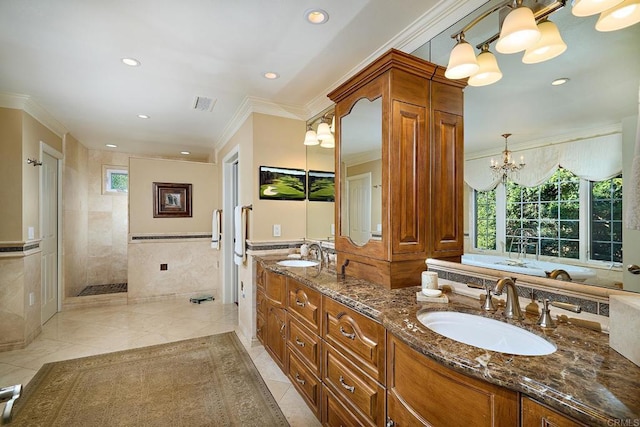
(27,104)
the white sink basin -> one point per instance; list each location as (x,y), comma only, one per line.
(486,333)
(297,263)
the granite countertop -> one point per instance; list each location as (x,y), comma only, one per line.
(585,378)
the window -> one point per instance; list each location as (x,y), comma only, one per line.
(485,202)
(550,218)
(115,179)
(606,220)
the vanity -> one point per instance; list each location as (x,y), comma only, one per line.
(358,355)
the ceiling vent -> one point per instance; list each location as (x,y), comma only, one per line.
(203,103)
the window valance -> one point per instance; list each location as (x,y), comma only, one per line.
(593,159)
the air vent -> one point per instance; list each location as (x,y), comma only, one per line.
(203,103)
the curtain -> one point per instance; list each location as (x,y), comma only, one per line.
(593,159)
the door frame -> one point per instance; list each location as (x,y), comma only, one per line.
(45,148)
(227,224)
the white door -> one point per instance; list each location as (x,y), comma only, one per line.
(359,202)
(49,243)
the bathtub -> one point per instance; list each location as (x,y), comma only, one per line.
(528,266)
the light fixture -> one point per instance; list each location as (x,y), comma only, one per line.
(549,46)
(329,142)
(519,30)
(618,17)
(316,16)
(270,75)
(310,137)
(462,60)
(324,131)
(143,116)
(131,62)
(111,145)
(591,7)
(489,72)
(185,152)
(560,81)
(506,169)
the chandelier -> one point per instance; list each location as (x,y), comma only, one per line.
(507,169)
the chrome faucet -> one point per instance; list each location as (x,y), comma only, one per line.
(512,308)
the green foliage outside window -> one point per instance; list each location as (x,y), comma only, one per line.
(119,181)
(606,220)
(486,219)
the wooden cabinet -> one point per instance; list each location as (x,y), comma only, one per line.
(534,414)
(271,314)
(422,169)
(353,364)
(306,382)
(304,304)
(423,392)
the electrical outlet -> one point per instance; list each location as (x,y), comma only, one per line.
(333,229)
(277,231)
(31,232)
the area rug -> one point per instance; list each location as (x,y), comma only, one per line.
(208,381)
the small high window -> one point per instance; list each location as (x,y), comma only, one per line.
(115,179)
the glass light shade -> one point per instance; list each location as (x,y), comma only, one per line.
(324,131)
(621,16)
(549,46)
(519,31)
(489,71)
(591,7)
(310,138)
(462,62)
(328,142)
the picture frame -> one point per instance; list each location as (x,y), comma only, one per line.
(321,186)
(171,200)
(282,183)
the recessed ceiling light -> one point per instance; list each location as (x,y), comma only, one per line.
(111,145)
(143,116)
(316,16)
(271,75)
(131,62)
(185,152)
(560,81)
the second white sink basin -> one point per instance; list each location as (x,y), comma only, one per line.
(486,333)
(297,263)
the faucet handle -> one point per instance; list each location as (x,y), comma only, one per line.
(488,304)
(545,320)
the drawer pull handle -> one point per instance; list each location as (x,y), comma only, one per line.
(300,303)
(300,343)
(299,380)
(346,334)
(282,328)
(346,386)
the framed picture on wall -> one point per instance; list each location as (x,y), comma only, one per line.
(171,200)
(321,186)
(282,183)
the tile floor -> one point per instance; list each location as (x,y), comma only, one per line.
(89,331)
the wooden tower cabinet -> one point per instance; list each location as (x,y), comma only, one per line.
(421,157)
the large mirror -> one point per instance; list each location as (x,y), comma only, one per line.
(597,105)
(361,172)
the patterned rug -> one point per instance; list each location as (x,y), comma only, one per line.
(112,288)
(208,381)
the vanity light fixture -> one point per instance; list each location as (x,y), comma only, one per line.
(329,142)
(111,145)
(519,30)
(310,138)
(489,72)
(508,168)
(620,16)
(324,133)
(316,16)
(462,60)
(131,62)
(583,8)
(549,46)
(271,75)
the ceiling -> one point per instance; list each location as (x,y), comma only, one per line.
(65,56)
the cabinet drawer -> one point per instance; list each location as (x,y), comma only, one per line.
(305,343)
(305,304)
(358,390)
(536,414)
(305,382)
(335,414)
(275,288)
(359,338)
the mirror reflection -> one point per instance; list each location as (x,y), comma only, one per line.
(361,172)
(320,213)
(577,139)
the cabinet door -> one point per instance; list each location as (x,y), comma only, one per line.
(535,414)
(276,288)
(447,160)
(441,396)
(335,414)
(276,334)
